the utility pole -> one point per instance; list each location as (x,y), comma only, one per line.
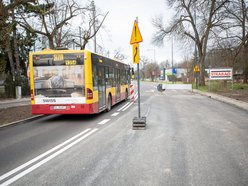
(80,37)
(172,60)
(94,23)
(196,61)
(172,55)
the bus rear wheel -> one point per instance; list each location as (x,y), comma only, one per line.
(109,104)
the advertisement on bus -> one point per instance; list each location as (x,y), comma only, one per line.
(58,80)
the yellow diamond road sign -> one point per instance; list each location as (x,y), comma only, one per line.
(136,35)
(196,69)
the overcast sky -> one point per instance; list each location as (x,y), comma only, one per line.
(119,24)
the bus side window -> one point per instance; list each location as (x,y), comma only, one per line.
(107,75)
(95,77)
(128,76)
(115,77)
(111,76)
(122,77)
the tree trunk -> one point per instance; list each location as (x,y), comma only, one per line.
(8,50)
(245,48)
(201,65)
(16,51)
(202,71)
(51,43)
(82,47)
(16,54)
(245,75)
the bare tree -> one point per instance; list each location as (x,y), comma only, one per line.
(238,12)
(193,22)
(165,64)
(152,70)
(51,19)
(119,55)
(103,51)
(144,61)
(148,69)
(87,30)
(188,64)
(237,32)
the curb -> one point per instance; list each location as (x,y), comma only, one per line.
(21,121)
(14,103)
(240,104)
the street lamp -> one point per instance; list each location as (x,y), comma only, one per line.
(172,53)
(172,57)
(94,23)
(172,50)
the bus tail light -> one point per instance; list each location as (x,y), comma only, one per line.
(89,94)
(32,94)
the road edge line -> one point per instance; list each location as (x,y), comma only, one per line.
(21,121)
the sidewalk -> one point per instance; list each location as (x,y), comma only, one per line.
(13,112)
(14,102)
(240,104)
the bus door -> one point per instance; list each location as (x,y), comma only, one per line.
(118,85)
(101,88)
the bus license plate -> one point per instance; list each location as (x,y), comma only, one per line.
(59,107)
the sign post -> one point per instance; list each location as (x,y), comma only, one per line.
(138,122)
(197,73)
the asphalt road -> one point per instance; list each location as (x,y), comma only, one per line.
(189,140)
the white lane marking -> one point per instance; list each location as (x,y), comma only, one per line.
(103,122)
(41,156)
(136,98)
(115,114)
(123,107)
(130,103)
(30,169)
(128,106)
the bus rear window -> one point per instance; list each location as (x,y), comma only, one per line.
(58,59)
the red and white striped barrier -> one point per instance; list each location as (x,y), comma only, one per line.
(132,92)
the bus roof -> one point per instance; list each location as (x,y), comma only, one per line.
(51,51)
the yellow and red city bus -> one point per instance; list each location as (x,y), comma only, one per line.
(76,82)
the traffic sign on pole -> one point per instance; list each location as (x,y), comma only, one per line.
(138,122)
(136,36)
(136,54)
(196,69)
